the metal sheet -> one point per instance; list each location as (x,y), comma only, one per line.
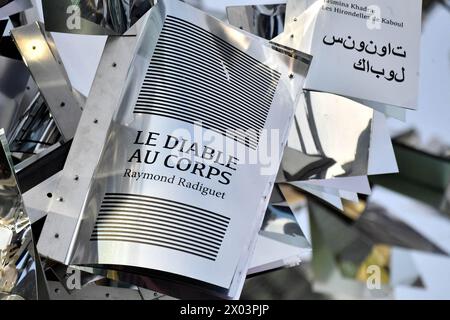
(89,141)
(263,20)
(35,131)
(39,53)
(18,258)
(331,138)
(109,174)
(37,200)
(311,18)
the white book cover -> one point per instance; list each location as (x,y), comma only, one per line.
(190,157)
(367,50)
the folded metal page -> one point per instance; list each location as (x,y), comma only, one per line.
(218,9)
(327,197)
(381,161)
(77,283)
(326,272)
(343,194)
(129,173)
(37,200)
(380,38)
(381,155)
(431,118)
(281,243)
(91,134)
(80,54)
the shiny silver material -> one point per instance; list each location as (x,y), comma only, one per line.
(40,55)
(330,138)
(281,242)
(83,236)
(89,142)
(18,258)
(38,199)
(35,132)
(376,157)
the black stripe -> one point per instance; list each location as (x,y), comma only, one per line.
(196,115)
(181,83)
(157,236)
(167,81)
(133,220)
(160,61)
(160,222)
(157,226)
(112,238)
(168,212)
(151,215)
(195,106)
(170,202)
(171,20)
(168,207)
(145,230)
(184,50)
(193,121)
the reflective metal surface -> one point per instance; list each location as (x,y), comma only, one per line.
(316,149)
(92,242)
(18,258)
(34,132)
(376,157)
(40,55)
(89,142)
